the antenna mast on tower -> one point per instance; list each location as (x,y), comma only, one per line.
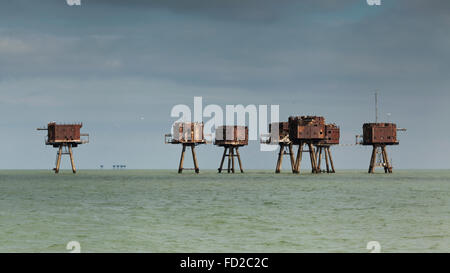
(376,106)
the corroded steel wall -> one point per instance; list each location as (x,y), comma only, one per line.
(188,132)
(283,130)
(380,133)
(306,128)
(332,135)
(63,133)
(232,135)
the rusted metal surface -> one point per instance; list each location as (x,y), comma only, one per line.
(332,135)
(306,128)
(65,134)
(313,132)
(305,120)
(281,135)
(380,133)
(64,137)
(188,132)
(231,136)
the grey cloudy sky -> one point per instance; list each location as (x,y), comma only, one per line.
(120,66)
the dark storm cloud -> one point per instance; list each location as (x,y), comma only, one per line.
(263,9)
(246,10)
(256,11)
(251,10)
(361,45)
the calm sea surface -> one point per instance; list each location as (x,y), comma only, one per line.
(161,211)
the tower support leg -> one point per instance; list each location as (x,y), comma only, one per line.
(58,160)
(280,158)
(372,159)
(327,163)
(383,156)
(194,157)
(232,159)
(239,159)
(316,153)
(180,168)
(291,155)
(229,160)
(329,158)
(231,152)
(298,160)
(384,160)
(312,154)
(74,170)
(387,164)
(319,151)
(223,159)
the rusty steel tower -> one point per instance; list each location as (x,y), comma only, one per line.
(231,138)
(279,135)
(188,134)
(64,137)
(332,136)
(306,131)
(379,135)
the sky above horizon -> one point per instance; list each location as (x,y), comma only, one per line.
(120,66)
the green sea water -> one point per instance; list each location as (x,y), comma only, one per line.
(259,211)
